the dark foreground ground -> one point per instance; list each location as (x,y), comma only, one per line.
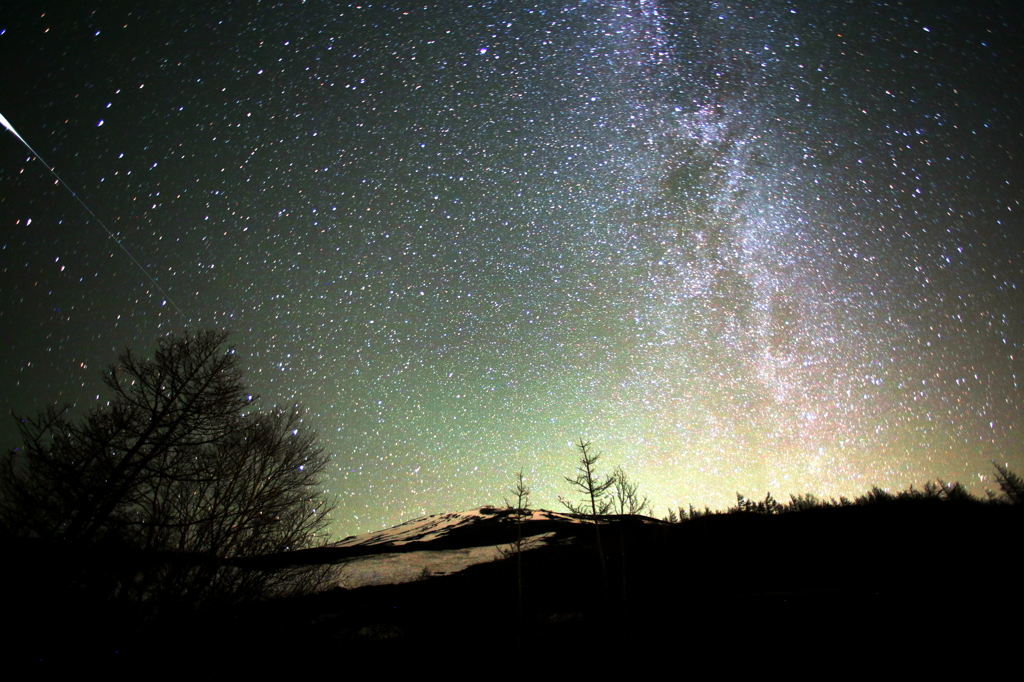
(914,582)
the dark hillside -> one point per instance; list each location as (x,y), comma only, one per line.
(910,577)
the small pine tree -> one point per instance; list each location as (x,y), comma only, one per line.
(1010,483)
(520,511)
(595,502)
(587,482)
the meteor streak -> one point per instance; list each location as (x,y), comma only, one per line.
(7,124)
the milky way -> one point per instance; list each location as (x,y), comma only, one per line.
(772,246)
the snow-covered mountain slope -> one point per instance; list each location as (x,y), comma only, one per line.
(484,523)
(405,567)
(442,544)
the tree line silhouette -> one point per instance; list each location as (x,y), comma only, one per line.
(179,497)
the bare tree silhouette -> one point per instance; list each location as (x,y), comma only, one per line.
(173,485)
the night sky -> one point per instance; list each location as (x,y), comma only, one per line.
(765,246)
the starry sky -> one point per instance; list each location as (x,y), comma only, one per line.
(764,246)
